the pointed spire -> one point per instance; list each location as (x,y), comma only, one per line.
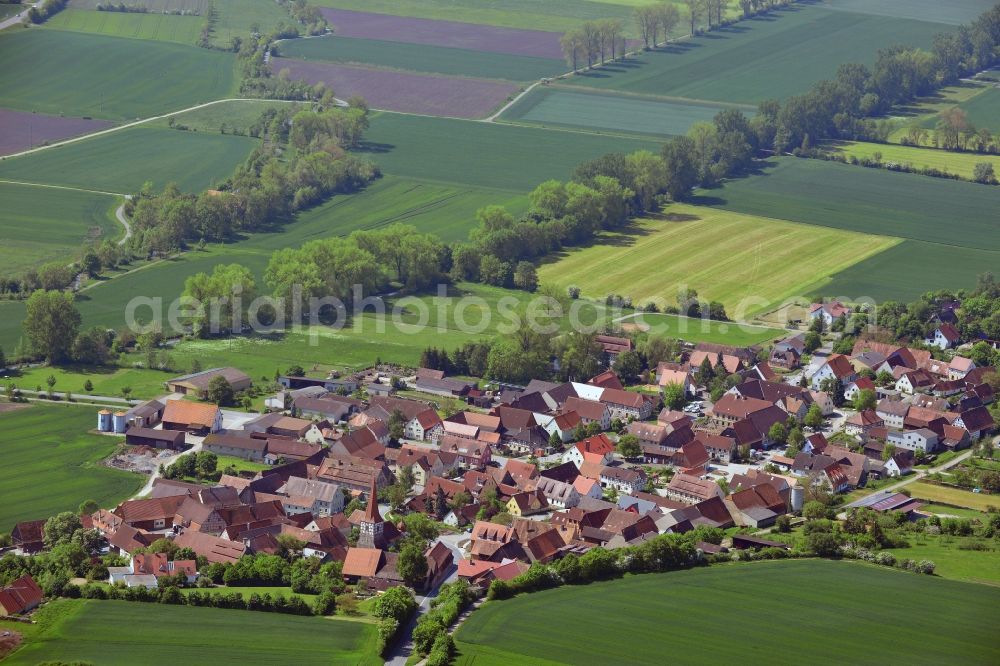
(372,514)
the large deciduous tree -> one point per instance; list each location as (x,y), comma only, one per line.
(50,324)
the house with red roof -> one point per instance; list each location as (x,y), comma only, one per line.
(20,596)
(836,366)
(944,336)
(829,312)
(598,448)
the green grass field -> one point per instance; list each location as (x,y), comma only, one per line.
(77,74)
(153,27)
(552,107)
(236,114)
(952,12)
(953,496)
(976,566)
(945,160)
(983,110)
(714,615)
(422,58)
(122,161)
(41,224)
(553,15)
(744,261)
(106,632)
(769,57)
(237,18)
(446,210)
(907,206)
(482,154)
(704,330)
(52,463)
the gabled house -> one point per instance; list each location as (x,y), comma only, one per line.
(837,367)
(787,353)
(21,596)
(944,336)
(623,479)
(862,423)
(29,536)
(691,489)
(977,421)
(829,312)
(589,411)
(960,367)
(599,447)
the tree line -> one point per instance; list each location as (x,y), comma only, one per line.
(43,11)
(302,161)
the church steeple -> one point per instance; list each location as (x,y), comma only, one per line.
(370,531)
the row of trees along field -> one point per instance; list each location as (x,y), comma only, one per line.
(953,131)
(302,161)
(594,41)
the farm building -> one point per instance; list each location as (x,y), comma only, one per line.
(146,415)
(191,417)
(20,596)
(196,384)
(159,439)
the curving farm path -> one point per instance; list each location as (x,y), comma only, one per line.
(120,215)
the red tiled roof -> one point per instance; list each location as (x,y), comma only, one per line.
(190,413)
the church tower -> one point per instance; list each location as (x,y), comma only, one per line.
(372,524)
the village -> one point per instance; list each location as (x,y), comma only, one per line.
(351,473)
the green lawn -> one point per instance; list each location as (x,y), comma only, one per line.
(152,27)
(240,464)
(577,109)
(774,56)
(977,566)
(41,224)
(944,160)
(875,201)
(106,632)
(236,114)
(705,330)
(77,74)
(482,154)
(107,381)
(983,110)
(953,496)
(945,510)
(422,58)
(122,161)
(728,257)
(52,464)
(713,615)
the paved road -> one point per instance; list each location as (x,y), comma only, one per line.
(16,19)
(120,214)
(403,648)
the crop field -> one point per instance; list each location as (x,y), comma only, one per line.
(92,631)
(552,107)
(23,130)
(40,225)
(901,272)
(983,110)
(763,58)
(153,27)
(954,496)
(680,613)
(367,25)
(238,18)
(744,261)
(407,92)
(118,79)
(551,15)
(122,161)
(868,200)
(482,154)
(953,12)
(945,160)
(446,210)
(52,463)
(423,58)
(192,6)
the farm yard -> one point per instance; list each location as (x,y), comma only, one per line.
(122,161)
(762,58)
(405,92)
(119,79)
(600,112)
(954,162)
(154,27)
(92,631)
(725,256)
(812,594)
(23,130)
(52,463)
(422,58)
(40,224)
